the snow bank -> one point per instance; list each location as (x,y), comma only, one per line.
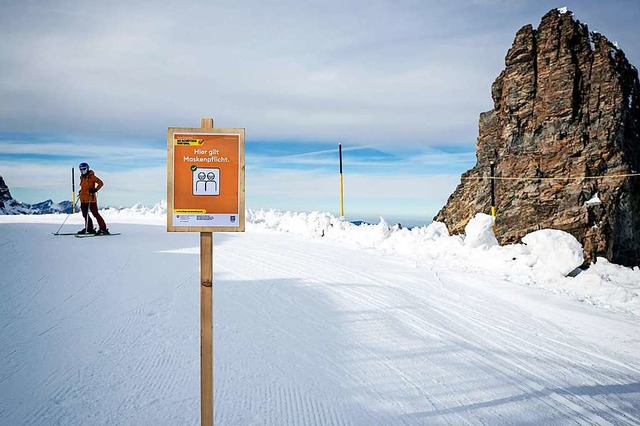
(556,251)
(543,260)
(609,284)
(312,224)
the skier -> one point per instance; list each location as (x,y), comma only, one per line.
(89,185)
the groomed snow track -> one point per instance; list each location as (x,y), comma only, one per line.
(306,332)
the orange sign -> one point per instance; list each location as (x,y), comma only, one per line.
(206,180)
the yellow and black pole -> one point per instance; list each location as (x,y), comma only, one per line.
(341,183)
(73,191)
(493,194)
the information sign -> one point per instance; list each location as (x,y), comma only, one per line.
(205,189)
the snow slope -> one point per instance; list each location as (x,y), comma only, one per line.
(362,326)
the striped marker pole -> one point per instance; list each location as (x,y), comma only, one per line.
(73,190)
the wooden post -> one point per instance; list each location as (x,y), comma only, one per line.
(206,318)
(188,211)
(206,328)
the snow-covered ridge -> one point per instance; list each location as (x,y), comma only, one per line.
(12,207)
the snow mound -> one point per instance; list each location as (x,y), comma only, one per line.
(479,232)
(314,224)
(435,230)
(609,285)
(556,251)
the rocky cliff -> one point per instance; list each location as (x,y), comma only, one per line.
(564,135)
(10,206)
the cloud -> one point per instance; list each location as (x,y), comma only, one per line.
(19,176)
(356,71)
(38,181)
(365,158)
(21,147)
(388,194)
(288,70)
(125,188)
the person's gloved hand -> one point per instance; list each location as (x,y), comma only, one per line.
(92,190)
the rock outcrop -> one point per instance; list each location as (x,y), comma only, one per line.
(564,135)
(7,203)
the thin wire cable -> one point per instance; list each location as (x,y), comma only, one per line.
(552,178)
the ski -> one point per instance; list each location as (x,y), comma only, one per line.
(94,235)
(83,235)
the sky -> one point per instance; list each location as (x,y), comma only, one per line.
(400,84)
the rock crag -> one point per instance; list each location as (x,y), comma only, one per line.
(564,135)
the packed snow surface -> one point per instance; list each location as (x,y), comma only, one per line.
(316,322)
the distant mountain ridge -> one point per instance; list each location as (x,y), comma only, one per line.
(9,206)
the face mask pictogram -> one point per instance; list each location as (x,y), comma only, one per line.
(206,181)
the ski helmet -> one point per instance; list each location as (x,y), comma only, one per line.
(84,168)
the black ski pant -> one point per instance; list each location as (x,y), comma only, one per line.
(93,207)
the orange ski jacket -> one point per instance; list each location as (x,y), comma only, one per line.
(87,182)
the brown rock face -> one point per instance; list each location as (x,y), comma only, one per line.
(565,126)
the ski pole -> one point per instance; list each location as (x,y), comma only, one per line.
(65,219)
(86,219)
(94,196)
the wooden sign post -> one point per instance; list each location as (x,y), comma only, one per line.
(205,193)
(206,328)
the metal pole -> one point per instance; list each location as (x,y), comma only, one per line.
(341,183)
(493,195)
